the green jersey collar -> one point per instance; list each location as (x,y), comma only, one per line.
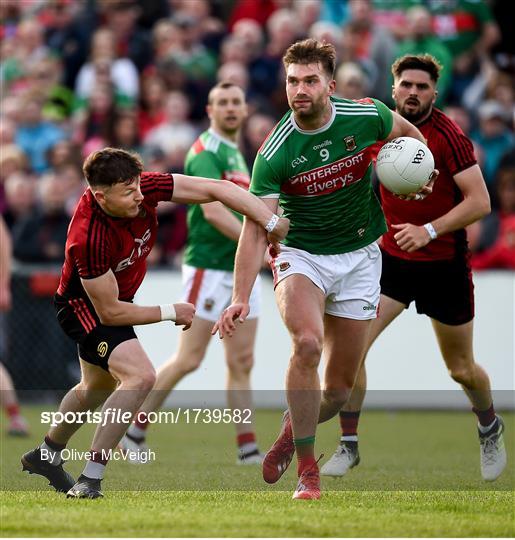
(320,129)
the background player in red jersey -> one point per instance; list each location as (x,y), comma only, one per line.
(110,236)
(426,260)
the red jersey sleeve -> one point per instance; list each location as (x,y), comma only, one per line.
(455,146)
(90,249)
(156,187)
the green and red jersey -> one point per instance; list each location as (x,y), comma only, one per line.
(323,177)
(212,156)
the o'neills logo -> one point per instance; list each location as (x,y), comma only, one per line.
(329,178)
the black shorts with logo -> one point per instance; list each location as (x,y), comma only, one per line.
(442,290)
(95,341)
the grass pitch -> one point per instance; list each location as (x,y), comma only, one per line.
(419,476)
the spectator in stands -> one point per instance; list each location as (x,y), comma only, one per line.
(195,59)
(7,132)
(68,29)
(257,11)
(496,242)
(329,32)
(461,116)
(469,31)
(12,160)
(46,77)
(130,40)
(351,81)
(256,129)
(369,45)
(104,61)
(307,13)
(177,133)
(392,15)
(94,125)
(64,152)
(30,43)
(34,135)
(251,33)
(126,133)
(494,136)
(267,71)
(152,104)
(20,197)
(420,40)
(40,236)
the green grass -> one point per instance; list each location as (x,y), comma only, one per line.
(419,476)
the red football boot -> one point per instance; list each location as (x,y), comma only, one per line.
(278,458)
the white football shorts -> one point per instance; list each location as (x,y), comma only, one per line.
(210,291)
(349,281)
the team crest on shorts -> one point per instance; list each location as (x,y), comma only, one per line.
(350,143)
(284,266)
(208,304)
(102,349)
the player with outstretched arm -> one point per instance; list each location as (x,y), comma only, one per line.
(109,238)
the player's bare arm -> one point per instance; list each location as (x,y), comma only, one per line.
(474,206)
(103,293)
(189,189)
(222,219)
(249,256)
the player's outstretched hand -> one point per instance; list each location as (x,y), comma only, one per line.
(225,326)
(279,233)
(411,237)
(424,191)
(184,313)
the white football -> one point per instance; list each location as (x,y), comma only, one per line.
(404,165)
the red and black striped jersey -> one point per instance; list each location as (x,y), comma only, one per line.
(453,153)
(97,242)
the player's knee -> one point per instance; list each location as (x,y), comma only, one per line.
(307,349)
(241,364)
(462,374)
(144,380)
(337,396)
(190,365)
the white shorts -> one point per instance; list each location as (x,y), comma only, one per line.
(349,281)
(211,292)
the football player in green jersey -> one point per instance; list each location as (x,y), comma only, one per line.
(316,165)
(213,232)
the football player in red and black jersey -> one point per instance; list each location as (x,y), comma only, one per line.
(426,261)
(109,238)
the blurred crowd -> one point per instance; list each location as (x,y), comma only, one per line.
(78,75)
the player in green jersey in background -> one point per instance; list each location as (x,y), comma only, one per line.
(316,165)
(213,232)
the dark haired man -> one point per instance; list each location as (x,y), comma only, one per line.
(316,165)
(426,260)
(110,236)
(213,233)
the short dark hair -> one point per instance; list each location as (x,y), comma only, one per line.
(423,62)
(222,85)
(311,51)
(111,166)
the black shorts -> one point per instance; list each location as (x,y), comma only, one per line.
(95,341)
(442,290)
